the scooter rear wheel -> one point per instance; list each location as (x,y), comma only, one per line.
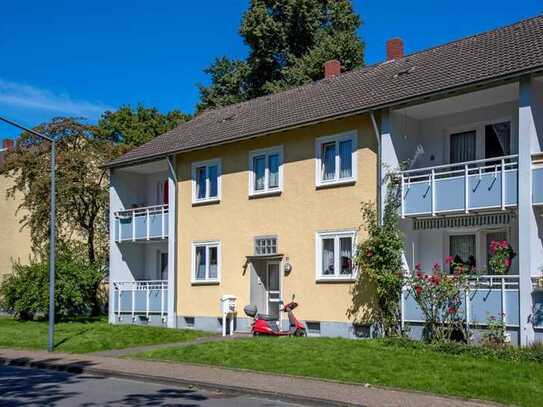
(300,332)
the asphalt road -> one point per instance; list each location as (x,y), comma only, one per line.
(21,386)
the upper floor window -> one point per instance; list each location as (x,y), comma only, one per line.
(336,159)
(335,255)
(206,181)
(266,171)
(206,258)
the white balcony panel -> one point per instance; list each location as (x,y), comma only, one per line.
(142,223)
(462,187)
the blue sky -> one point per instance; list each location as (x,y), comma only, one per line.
(80,58)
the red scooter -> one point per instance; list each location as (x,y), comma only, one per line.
(264,324)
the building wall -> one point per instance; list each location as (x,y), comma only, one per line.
(16,243)
(294,217)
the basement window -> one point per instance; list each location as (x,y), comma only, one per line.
(313,328)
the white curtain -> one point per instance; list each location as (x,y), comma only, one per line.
(327,256)
(213,261)
(462,246)
(346,254)
(200,263)
(463,147)
(345,159)
(259,167)
(328,157)
(273,169)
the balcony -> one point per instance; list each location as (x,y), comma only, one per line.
(140,299)
(460,187)
(144,223)
(488,295)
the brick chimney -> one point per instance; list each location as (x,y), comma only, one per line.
(332,68)
(8,144)
(394,49)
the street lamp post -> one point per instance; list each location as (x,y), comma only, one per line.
(52,239)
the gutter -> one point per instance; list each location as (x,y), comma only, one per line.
(422,98)
(379,161)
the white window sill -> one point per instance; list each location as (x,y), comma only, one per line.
(338,279)
(336,182)
(206,201)
(205,282)
(269,192)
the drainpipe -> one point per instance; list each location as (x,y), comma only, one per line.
(379,161)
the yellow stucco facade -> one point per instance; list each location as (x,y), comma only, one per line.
(294,216)
(15,243)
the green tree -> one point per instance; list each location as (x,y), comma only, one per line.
(82,186)
(135,127)
(289,41)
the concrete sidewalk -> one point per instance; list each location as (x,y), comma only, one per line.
(284,387)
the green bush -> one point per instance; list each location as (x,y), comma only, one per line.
(25,292)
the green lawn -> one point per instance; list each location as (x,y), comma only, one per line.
(87,336)
(374,362)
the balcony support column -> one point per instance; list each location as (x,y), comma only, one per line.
(526,218)
(389,159)
(172,242)
(115,257)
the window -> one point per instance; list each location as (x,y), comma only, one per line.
(334,255)
(497,139)
(265,246)
(206,262)
(206,181)
(266,171)
(462,248)
(336,159)
(463,147)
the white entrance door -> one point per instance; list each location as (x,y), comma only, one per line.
(273,288)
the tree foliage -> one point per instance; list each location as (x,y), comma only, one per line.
(379,263)
(135,127)
(25,292)
(289,41)
(82,185)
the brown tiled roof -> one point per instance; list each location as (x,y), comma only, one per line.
(503,52)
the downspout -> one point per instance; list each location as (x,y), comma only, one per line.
(379,159)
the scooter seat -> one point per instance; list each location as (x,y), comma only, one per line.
(266,317)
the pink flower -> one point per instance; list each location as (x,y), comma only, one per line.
(507,262)
(418,267)
(449,259)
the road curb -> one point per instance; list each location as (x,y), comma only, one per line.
(78,368)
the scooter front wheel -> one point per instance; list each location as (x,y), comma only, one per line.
(300,332)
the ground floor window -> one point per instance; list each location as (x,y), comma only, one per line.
(206,262)
(334,255)
(463,250)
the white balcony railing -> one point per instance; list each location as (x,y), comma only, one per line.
(140,298)
(460,187)
(487,295)
(145,223)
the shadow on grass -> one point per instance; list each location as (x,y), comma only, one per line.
(68,338)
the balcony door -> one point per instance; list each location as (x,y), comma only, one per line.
(497,139)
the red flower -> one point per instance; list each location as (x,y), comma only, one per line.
(449,259)
(419,274)
(418,267)
(452,309)
(507,262)
(418,289)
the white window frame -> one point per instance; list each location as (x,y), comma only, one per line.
(207,244)
(266,152)
(336,235)
(337,138)
(207,164)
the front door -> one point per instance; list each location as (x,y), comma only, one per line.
(273,288)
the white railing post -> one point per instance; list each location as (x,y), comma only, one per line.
(147,292)
(133,304)
(504,310)
(466,188)
(503,184)
(118,227)
(402,309)
(162,301)
(402,191)
(433,187)
(147,221)
(163,234)
(133,226)
(468,309)
(119,303)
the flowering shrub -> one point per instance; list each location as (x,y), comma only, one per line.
(501,255)
(439,297)
(496,335)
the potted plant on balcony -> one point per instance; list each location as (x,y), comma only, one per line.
(501,256)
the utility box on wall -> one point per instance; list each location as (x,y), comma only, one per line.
(228,310)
